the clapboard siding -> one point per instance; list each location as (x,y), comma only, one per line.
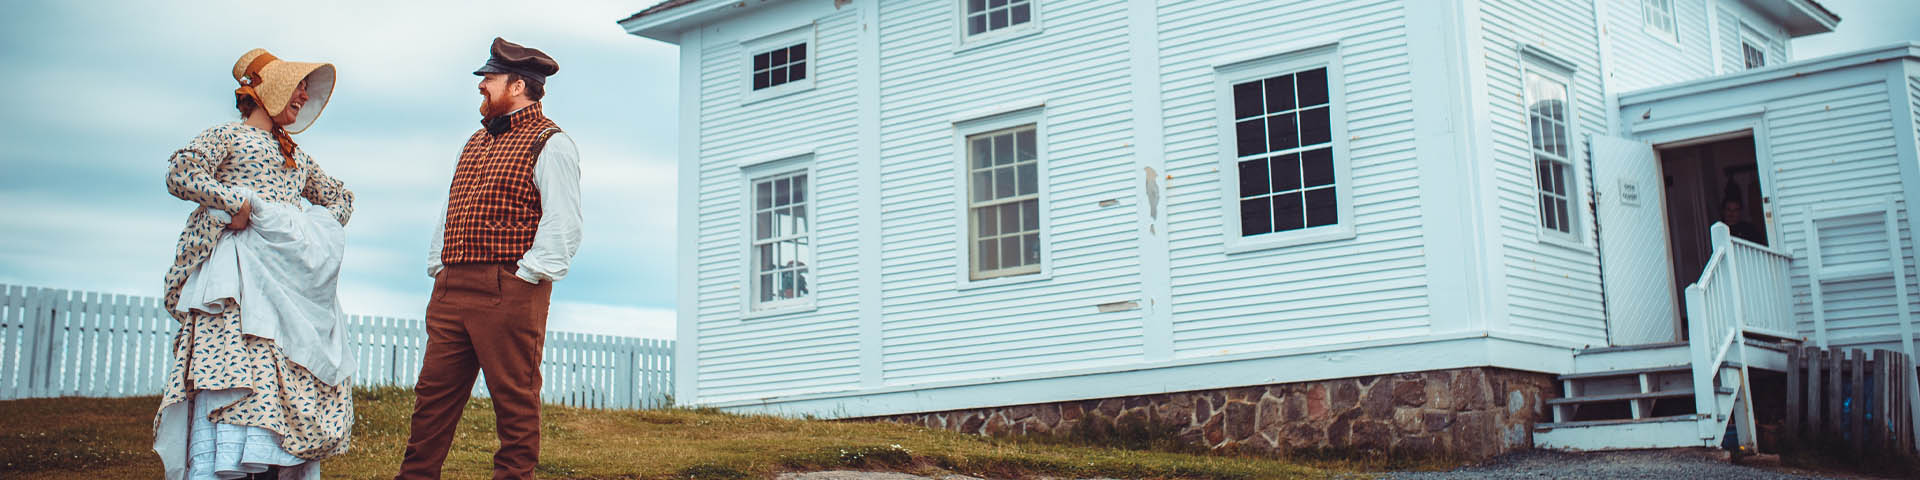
(1553,290)
(933,330)
(1372,286)
(812,351)
(1641,59)
(1831,148)
(1732,58)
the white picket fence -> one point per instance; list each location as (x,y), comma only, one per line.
(60,343)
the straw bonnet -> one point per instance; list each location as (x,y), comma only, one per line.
(271,82)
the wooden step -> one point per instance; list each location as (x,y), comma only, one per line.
(1545,427)
(1619,397)
(1624,373)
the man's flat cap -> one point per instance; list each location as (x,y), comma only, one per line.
(509,57)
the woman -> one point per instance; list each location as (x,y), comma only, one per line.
(234,405)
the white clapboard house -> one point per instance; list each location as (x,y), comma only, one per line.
(898,206)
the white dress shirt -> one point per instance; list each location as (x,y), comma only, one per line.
(556,174)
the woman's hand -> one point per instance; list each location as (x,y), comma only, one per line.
(241,216)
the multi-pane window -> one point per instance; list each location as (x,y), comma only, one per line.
(1753,47)
(990,15)
(779,66)
(782,240)
(1656,16)
(1547,118)
(1283,140)
(1003,203)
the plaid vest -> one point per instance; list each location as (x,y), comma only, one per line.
(493,208)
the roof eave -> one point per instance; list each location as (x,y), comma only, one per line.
(1808,17)
(667,25)
(1907,51)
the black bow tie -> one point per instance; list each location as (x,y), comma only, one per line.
(497,125)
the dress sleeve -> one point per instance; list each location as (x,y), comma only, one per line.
(190,171)
(326,191)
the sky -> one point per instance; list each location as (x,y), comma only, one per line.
(97,94)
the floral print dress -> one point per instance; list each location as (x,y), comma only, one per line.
(313,419)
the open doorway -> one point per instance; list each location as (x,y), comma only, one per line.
(1715,180)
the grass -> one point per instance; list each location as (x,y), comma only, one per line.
(111,438)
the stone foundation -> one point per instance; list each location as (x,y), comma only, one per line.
(1470,413)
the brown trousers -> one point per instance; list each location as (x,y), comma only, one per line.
(482,318)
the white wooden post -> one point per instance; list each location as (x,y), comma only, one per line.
(1813,276)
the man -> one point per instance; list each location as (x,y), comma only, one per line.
(1737,224)
(510,226)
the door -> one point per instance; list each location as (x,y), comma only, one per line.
(1634,261)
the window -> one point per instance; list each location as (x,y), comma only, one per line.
(1003,203)
(781,247)
(984,16)
(1753,47)
(1656,17)
(779,64)
(1549,124)
(1283,156)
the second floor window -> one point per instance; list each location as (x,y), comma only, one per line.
(1753,47)
(985,16)
(779,66)
(1656,17)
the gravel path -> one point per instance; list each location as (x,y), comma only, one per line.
(1531,465)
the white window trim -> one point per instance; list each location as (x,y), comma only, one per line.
(1537,61)
(1673,21)
(1238,71)
(963,42)
(1034,114)
(1760,41)
(802,34)
(750,308)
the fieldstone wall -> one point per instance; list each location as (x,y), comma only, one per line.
(1471,413)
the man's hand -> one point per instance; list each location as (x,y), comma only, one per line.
(241,216)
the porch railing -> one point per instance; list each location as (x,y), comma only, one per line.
(1743,290)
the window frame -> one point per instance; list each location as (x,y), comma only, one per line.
(964,41)
(1671,32)
(752,173)
(1001,119)
(1760,42)
(804,34)
(1293,60)
(1538,62)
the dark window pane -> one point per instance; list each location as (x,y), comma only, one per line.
(766,287)
(976,5)
(982,185)
(1543,173)
(996,3)
(1560,206)
(1251,136)
(989,255)
(1280,94)
(763,195)
(1253,177)
(1287,214)
(766,257)
(763,225)
(1322,207)
(1560,179)
(1546,212)
(997,20)
(1282,132)
(799,219)
(782,192)
(1003,184)
(800,290)
(1026,147)
(1021,14)
(982,152)
(1029,178)
(1246,100)
(1286,172)
(760,61)
(760,80)
(779,57)
(799,188)
(1010,252)
(1313,87)
(1032,243)
(1003,150)
(1030,216)
(797,52)
(1256,217)
(987,223)
(776,76)
(798,72)
(1316,167)
(1009,218)
(780,216)
(1315,126)
(976,24)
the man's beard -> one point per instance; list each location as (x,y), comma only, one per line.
(493,107)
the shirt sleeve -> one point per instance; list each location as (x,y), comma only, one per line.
(434,246)
(190,172)
(556,173)
(326,191)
